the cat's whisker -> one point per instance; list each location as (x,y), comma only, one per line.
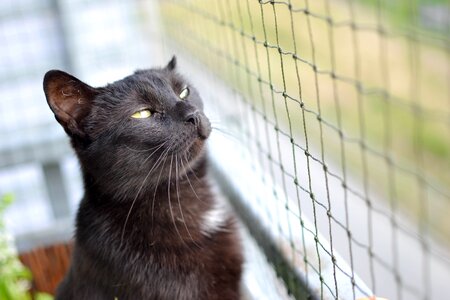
(170,204)
(151,154)
(179,203)
(190,184)
(219,123)
(221,129)
(157,183)
(215,120)
(225,133)
(135,198)
(146,150)
(190,168)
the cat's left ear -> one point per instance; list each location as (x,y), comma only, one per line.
(172,64)
(69,99)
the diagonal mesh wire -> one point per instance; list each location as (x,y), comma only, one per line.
(345,105)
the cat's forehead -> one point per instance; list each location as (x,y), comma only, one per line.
(146,81)
(158,77)
(152,86)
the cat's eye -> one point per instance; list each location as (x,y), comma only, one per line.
(184,93)
(141,114)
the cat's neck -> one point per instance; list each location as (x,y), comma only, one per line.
(189,194)
(184,208)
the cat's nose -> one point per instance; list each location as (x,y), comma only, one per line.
(200,122)
(192,117)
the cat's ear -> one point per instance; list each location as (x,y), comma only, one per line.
(69,99)
(172,64)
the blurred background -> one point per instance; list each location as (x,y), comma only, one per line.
(339,110)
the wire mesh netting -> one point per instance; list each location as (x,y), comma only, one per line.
(345,105)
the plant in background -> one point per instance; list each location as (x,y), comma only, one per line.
(14,276)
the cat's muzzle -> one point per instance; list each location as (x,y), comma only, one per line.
(203,127)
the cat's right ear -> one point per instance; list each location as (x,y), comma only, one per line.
(69,99)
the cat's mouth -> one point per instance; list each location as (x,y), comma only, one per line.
(194,146)
(203,134)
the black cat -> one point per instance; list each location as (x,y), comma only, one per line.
(148,226)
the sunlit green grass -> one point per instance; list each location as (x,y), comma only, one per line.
(409,126)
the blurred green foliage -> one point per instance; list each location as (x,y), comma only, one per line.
(14,276)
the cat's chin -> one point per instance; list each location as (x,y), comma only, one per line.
(196,149)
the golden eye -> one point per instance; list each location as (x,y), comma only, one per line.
(142,114)
(184,93)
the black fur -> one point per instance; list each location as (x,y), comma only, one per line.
(138,227)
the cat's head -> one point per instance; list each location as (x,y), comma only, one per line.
(132,129)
